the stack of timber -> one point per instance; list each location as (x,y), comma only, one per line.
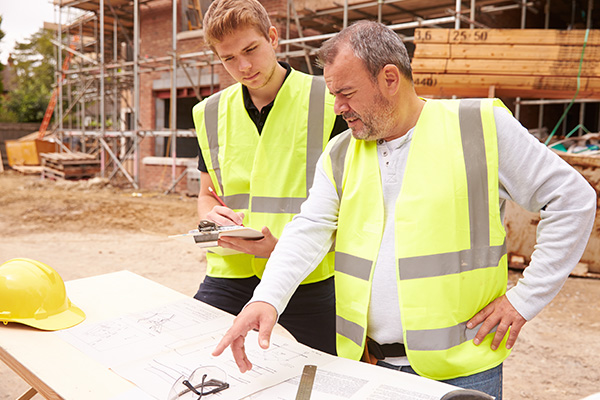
(530,63)
(75,165)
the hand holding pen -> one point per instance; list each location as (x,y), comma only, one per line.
(232,218)
(261,248)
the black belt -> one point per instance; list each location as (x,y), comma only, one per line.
(381,351)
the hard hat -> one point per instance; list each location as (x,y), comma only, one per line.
(32,293)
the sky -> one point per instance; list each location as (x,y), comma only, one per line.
(21,19)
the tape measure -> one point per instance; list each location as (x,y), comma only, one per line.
(306,382)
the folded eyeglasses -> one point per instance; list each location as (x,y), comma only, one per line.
(202,382)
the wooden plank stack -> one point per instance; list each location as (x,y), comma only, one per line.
(528,63)
(75,165)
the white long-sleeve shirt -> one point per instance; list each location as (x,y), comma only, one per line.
(530,174)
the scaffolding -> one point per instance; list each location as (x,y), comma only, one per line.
(99,105)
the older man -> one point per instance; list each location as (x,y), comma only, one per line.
(415,198)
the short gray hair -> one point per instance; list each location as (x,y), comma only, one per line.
(373,43)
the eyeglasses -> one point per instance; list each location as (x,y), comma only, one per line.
(203,381)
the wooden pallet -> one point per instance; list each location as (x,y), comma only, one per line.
(69,165)
(28,169)
(535,63)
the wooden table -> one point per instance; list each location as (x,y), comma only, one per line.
(56,369)
(59,371)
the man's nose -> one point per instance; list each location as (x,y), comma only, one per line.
(245,64)
(340,106)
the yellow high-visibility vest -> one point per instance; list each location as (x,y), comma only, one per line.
(449,239)
(266,176)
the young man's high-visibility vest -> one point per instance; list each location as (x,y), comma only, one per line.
(449,238)
(266,176)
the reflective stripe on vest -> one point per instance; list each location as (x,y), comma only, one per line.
(435,352)
(358,268)
(425,340)
(266,176)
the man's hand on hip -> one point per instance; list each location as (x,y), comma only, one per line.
(501,313)
(259,316)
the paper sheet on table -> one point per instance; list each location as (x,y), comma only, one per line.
(153,349)
(284,359)
(343,379)
(134,336)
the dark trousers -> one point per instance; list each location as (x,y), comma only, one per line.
(309,316)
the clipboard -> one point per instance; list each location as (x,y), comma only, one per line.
(208,234)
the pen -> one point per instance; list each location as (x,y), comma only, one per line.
(211,190)
(216,197)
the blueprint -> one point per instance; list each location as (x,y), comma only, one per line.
(282,360)
(123,339)
(343,379)
(154,348)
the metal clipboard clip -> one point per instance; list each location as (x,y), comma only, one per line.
(209,232)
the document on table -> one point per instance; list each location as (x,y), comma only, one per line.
(153,349)
(130,337)
(343,379)
(281,361)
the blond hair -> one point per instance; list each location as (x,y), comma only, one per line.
(224,17)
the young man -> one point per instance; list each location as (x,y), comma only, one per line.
(259,142)
(414,198)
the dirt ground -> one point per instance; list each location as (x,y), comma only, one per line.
(87,228)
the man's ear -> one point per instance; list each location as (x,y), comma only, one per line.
(389,79)
(273,37)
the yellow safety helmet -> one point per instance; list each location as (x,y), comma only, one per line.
(32,293)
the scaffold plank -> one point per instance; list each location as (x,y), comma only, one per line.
(526,63)
(503,36)
(506,51)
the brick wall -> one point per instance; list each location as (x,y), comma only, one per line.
(160,178)
(157,174)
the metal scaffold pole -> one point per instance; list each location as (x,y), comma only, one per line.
(102,93)
(136,93)
(173,102)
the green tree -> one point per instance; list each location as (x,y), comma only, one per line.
(34,67)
